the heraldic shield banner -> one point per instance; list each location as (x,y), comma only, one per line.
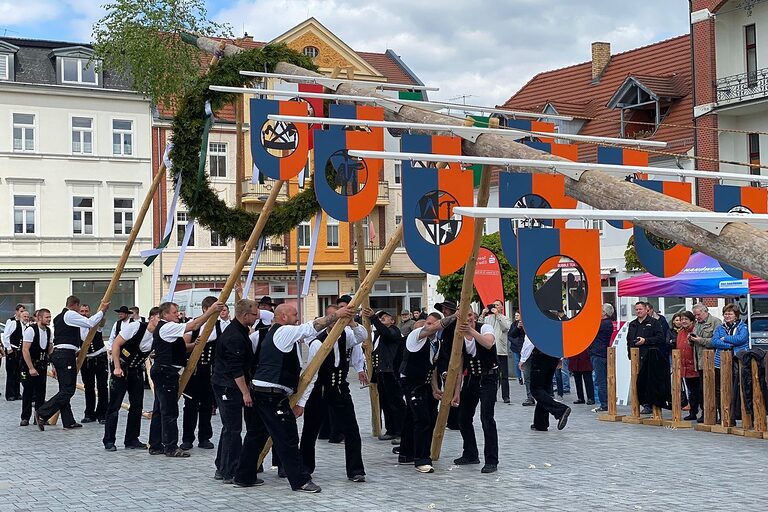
(436,240)
(623,156)
(728,198)
(279,149)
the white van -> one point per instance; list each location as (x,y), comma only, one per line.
(190,301)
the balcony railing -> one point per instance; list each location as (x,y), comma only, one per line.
(258,193)
(741,87)
(274,256)
(372,255)
(383,197)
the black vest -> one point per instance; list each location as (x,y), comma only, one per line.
(130,354)
(418,366)
(39,355)
(329,374)
(65,334)
(209,351)
(169,354)
(274,365)
(484,360)
(16,337)
(97,343)
(446,342)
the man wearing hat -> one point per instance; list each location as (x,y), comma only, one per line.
(406,323)
(124,316)
(448,308)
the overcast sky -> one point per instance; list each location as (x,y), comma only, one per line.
(484,49)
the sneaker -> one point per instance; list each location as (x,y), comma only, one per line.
(102,422)
(646,410)
(255,483)
(590,402)
(137,445)
(230,480)
(690,417)
(186,446)
(177,453)
(309,487)
(387,437)
(563,419)
(426,468)
(218,476)
(533,427)
(156,451)
(520,381)
(402,459)
(529,401)
(396,450)
(358,478)
(463,461)
(24,423)
(87,420)
(600,409)
(506,400)
(110,447)
(205,445)
(489,468)
(72,426)
(396,441)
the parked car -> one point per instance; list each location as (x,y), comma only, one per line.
(759,333)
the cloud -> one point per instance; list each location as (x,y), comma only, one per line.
(12,16)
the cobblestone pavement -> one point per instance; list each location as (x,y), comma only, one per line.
(590,465)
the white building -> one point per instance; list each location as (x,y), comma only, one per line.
(75,165)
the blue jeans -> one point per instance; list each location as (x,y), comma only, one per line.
(516,357)
(600,365)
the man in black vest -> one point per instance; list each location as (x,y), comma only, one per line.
(387,343)
(447,308)
(66,344)
(329,391)
(36,348)
(12,339)
(543,368)
(129,352)
(198,395)
(170,348)
(230,377)
(136,315)
(482,378)
(94,374)
(275,379)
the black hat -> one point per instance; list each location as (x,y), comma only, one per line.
(381,313)
(447,303)
(344,298)
(123,309)
(267,300)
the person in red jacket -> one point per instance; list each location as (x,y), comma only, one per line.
(581,367)
(687,364)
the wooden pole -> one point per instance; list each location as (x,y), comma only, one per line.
(234,277)
(338,328)
(758,405)
(634,402)
(710,411)
(611,378)
(373,390)
(677,413)
(239,174)
(467,287)
(746,417)
(726,393)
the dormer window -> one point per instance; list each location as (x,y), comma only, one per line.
(78,71)
(4,65)
(644,102)
(7,57)
(311,51)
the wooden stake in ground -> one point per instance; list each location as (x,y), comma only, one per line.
(611,378)
(758,405)
(710,411)
(325,349)
(634,402)
(233,278)
(726,393)
(373,390)
(677,414)
(467,287)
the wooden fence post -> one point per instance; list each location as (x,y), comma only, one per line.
(611,378)
(758,405)
(710,412)
(677,414)
(726,393)
(634,402)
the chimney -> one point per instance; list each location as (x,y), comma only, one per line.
(601,55)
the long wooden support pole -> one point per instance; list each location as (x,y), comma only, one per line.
(467,287)
(360,296)
(373,390)
(233,278)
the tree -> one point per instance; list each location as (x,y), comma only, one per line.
(141,40)
(631,261)
(450,285)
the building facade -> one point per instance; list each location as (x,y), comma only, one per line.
(75,165)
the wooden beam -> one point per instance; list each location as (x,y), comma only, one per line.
(634,402)
(677,414)
(710,411)
(726,393)
(611,378)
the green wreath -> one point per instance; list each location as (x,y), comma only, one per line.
(188,126)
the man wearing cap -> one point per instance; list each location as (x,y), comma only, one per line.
(406,323)
(448,308)
(265,321)
(94,373)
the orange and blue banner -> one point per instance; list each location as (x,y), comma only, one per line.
(623,156)
(279,149)
(662,262)
(347,187)
(436,241)
(728,198)
(561,313)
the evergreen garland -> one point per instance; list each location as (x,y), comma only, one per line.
(203,204)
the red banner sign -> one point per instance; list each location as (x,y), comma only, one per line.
(487,278)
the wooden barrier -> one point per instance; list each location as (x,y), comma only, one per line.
(726,393)
(677,412)
(709,392)
(611,377)
(746,418)
(634,402)
(758,405)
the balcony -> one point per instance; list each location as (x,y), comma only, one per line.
(258,193)
(742,87)
(272,256)
(372,255)
(383,198)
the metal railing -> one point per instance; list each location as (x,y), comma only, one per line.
(259,192)
(372,255)
(744,86)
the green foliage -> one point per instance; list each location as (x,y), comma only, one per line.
(140,39)
(631,260)
(450,285)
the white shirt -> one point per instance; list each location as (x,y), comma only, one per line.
(287,338)
(470,344)
(528,347)
(10,328)
(75,319)
(29,337)
(170,331)
(413,343)
(114,333)
(129,331)
(84,334)
(224,323)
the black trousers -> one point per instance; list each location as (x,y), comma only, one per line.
(198,406)
(65,363)
(504,379)
(542,370)
(164,429)
(95,375)
(338,401)
(420,417)
(132,382)
(391,401)
(480,389)
(34,390)
(271,416)
(582,379)
(695,394)
(13,374)
(230,403)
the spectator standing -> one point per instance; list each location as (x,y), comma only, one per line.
(516,338)
(406,323)
(646,333)
(688,364)
(581,366)
(733,335)
(598,353)
(494,316)
(703,332)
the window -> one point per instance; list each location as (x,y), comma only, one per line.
(311,51)
(332,234)
(217,240)
(366,238)
(398,221)
(750,49)
(753,141)
(16,292)
(597,224)
(182,219)
(398,172)
(304,234)
(23,132)
(78,71)
(91,292)
(82,215)
(5,62)
(82,135)
(24,215)
(122,137)
(123,216)
(217,156)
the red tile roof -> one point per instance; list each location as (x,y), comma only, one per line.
(665,65)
